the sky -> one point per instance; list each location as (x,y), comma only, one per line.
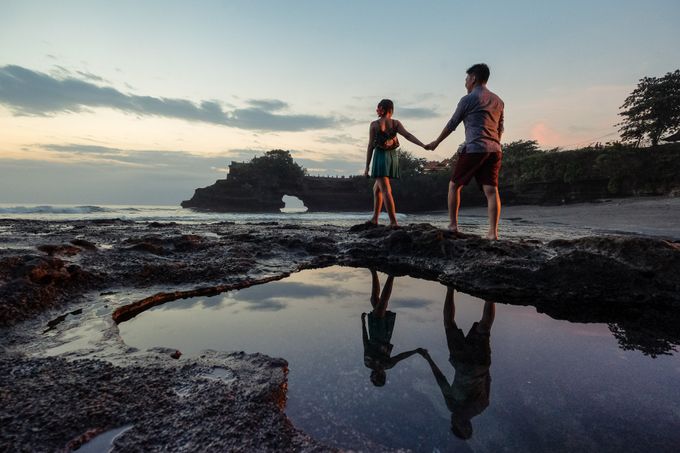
(141,102)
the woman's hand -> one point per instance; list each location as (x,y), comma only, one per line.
(366,172)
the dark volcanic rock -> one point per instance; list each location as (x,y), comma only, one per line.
(30,284)
(171,405)
(629,283)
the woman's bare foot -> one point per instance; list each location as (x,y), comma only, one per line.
(394,225)
(492,236)
(453,228)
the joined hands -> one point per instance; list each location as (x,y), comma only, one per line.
(431,146)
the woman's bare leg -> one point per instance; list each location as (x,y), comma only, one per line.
(375,289)
(386,189)
(377,202)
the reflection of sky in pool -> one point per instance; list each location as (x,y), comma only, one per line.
(555,385)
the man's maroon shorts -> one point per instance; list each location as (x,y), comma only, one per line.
(483,166)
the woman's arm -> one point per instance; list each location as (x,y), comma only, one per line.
(399,357)
(407,135)
(369,148)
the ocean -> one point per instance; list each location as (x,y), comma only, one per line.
(470,221)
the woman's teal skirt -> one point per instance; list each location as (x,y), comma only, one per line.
(385,163)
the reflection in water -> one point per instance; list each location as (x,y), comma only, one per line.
(543,368)
(468,394)
(377,346)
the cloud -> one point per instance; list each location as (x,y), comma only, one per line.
(27,92)
(268,104)
(416,112)
(152,160)
(341,139)
(545,135)
(91,76)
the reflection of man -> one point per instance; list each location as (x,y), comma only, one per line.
(377,346)
(470,355)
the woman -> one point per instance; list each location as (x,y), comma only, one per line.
(383,148)
(377,347)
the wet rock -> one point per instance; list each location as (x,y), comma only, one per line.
(30,284)
(628,282)
(149,248)
(243,414)
(84,244)
(64,249)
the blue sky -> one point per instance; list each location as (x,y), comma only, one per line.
(141,102)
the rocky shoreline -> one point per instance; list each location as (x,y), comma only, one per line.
(59,275)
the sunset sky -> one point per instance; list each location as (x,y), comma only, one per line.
(140,102)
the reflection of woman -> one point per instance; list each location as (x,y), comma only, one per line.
(470,355)
(383,149)
(377,346)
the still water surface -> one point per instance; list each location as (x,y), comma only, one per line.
(531,384)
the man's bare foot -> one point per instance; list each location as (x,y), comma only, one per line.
(394,225)
(373,221)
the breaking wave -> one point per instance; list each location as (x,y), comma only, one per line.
(48,209)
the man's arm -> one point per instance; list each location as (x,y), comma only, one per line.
(501,125)
(444,385)
(451,126)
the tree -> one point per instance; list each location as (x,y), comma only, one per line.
(410,165)
(274,169)
(520,148)
(652,109)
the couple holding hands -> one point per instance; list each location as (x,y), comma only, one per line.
(481,111)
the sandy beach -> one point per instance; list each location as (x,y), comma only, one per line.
(653,216)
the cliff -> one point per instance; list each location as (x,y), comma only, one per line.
(528,176)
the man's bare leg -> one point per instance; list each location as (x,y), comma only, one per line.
(449,309)
(377,202)
(454,205)
(488,316)
(386,189)
(493,201)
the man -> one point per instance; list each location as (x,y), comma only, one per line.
(468,395)
(481,111)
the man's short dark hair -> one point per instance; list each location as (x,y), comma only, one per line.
(480,71)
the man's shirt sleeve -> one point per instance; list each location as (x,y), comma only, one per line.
(458,115)
(501,124)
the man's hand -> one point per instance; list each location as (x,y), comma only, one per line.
(432,146)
